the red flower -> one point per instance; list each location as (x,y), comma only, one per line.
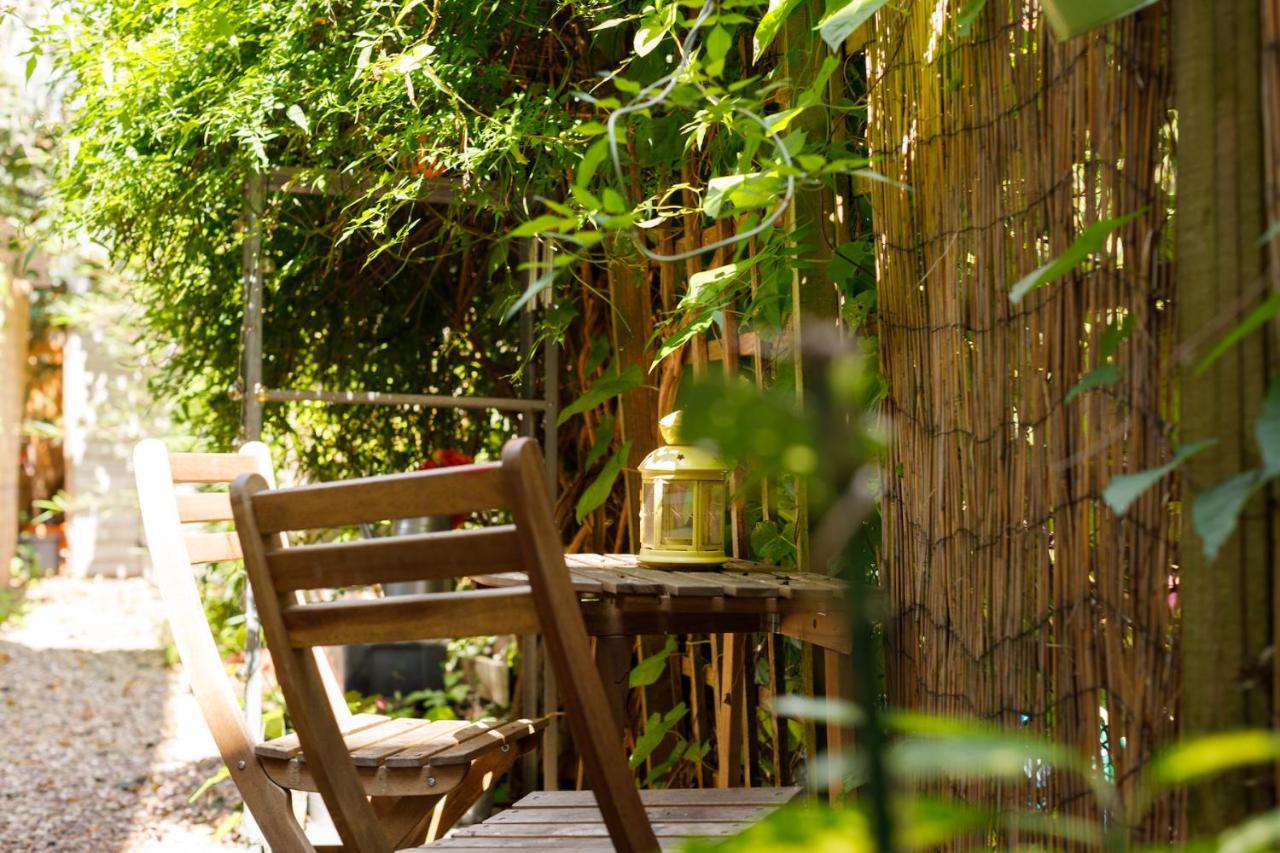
(448,457)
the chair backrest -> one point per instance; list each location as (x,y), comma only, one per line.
(172,518)
(264,517)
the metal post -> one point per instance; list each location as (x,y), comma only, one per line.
(251,420)
(551,384)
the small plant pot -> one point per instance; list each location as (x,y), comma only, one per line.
(1070,18)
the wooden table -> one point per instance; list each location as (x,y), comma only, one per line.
(621,600)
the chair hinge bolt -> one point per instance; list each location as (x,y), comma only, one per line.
(431,781)
(506,747)
(240,765)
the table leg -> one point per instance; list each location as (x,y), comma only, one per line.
(613,660)
(838,674)
(730,709)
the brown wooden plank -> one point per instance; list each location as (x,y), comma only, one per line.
(433,731)
(402,618)
(425,556)
(667,797)
(212,547)
(445,491)
(667,814)
(206,506)
(210,467)
(481,845)
(677,583)
(520,831)
(416,756)
(482,742)
(288,746)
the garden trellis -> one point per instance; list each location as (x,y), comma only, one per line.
(254,395)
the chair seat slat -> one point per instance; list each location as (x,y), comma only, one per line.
(425,556)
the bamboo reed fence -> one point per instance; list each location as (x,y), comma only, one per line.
(1016,596)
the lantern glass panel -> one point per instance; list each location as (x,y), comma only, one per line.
(677,513)
(646,516)
(713,524)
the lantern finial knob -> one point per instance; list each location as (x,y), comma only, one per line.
(670,427)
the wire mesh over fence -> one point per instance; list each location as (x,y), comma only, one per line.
(1016,595)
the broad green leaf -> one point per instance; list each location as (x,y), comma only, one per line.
(969,15)
(655,730)
(613,201)
(594,495)
(718,190)
(1124,490)
(651,668)
(1267,432)
(1217,509)
(546,222)
(1258,833)
(719,42)
(706,285)
(840,24)
(1091,240)
(771,24)
(298,117)
(591,161)
(1256,318)
(604,438)
(1108,374)
(653,30)
(1203,756)
(1114,335)
(609,24)
(973,757)
(1070,18)
(604,388)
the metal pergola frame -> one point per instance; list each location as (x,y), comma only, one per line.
(254,395)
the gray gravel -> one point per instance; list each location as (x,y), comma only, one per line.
(101,744)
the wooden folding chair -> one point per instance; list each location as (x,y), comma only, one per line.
(617,813)
(412,803)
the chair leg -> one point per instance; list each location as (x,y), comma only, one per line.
(484,773)
(401,817)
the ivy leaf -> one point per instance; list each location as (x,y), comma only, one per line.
(1091,240)
(604,388)
(298,117)
(840,24)
(651,668)
(594,495)
(771,24)
(1108,374)
(1267,432)
(1217,509)
(1124,490)
(1256,318)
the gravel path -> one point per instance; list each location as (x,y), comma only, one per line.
(101,744)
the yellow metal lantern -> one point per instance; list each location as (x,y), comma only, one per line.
(682,503)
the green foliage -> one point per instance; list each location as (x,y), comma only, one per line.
(1090,241)
(1124,490)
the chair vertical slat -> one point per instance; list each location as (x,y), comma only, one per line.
(590,717)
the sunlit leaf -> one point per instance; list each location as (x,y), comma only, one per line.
(771,24)
(298,117)
(840,24)
(1125,489)
(811,708)
(1090,241)
(1198,758)
(1258,833)
(1217,509)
